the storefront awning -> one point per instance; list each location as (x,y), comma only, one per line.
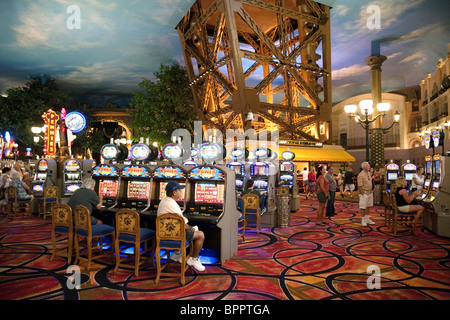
(318,154)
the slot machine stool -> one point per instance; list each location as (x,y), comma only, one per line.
(84,229)
(51,196)
(14,203)
(62,224)
(128,230)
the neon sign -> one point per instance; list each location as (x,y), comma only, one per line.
(51,120)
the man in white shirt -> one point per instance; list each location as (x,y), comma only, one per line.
(174,191)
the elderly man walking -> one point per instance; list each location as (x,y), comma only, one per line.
(365,193)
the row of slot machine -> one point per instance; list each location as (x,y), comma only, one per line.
(208,201)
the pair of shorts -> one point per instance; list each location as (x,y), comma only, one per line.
(365,200)
(350,187)
(405,209)
(322,197)
(189,235)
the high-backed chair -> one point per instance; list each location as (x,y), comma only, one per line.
(251,206)
(15,203)
(62,224)
(402,220)
(171,235)
(283,190)
(241,220)
(93,234)
(51,196)
(128,231)
(388,215)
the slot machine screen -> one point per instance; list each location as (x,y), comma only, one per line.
(237,169)
(108,188)
(261,171)
(162,190)
(41,176)
(38,188)
(287,167)
(286,177)
(260,184)
(409,176)
(209,193)
(138,190)
(435,185)
(437,166)
(426,184)
(428,167)
(392,176)
(72,187)
(239,183)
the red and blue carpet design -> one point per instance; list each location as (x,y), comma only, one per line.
(299,262)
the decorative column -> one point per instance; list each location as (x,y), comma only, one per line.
(377,134)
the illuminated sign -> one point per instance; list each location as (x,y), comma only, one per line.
(135,171)
(206,173)
(75,121)
(427,140)
(288,155)
(51,120)
(436,136)
(140,151)
(172,151)
(169,172)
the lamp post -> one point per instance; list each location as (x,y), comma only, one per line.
(364,121)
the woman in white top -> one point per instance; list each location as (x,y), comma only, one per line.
(5,179)
(418,179)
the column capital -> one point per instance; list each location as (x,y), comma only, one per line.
(375,62)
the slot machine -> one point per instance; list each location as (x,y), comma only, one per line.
(287,171)
(429,200)
(194,156)
(437,168)
(238,166)
(73,176)
(409,169)
(107,181)
(392,173)
(45,175)
(161,176)
(211,205)
(135,188)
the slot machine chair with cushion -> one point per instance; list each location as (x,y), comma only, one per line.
(171,235)
(402,220)
(51,194)
(62,224)
(251,206)
(90,233)
(388,214)
(14,203)
(128,230)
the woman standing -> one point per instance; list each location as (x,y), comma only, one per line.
(418,179)
(311,183)
(322,194)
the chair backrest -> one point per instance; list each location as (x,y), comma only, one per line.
(12,193)
(283,190)
(394,204)
(82,218)
(251,201)
(386,198)
(128,222)
(170,226)
(51,192)
(62,216)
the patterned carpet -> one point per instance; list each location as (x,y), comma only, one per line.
(340,261)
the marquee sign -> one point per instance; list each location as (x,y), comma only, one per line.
(51,120)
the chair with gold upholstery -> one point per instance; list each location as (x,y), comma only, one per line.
(402,220)
(388,216)
(171,235)
(15,203)
(128,231)
(62,224)
(283,190)
(93,234)
(251,207)
(51,197)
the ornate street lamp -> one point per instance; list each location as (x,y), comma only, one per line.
(364,121)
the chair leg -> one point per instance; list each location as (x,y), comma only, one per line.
(53,245)
(137,255)
(89,248)
(117,250)
(70,246)
(158,265)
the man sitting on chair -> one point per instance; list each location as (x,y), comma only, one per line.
(169,205)
(87,197)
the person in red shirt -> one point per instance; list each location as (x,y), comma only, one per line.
(322,194)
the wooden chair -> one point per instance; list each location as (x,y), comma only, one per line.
(402,220)
(171,235)
(14,203)
(283,190)
(51,197)
(241,220)
(93,234)
(128,230)
(251,206)
(62,222)
(388,214)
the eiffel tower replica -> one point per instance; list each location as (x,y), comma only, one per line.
(269,59)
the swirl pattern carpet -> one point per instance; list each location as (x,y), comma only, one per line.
(340,261)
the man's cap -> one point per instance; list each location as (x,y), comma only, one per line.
(173,186)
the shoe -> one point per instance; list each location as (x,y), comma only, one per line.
(368,221)
(363,222)
(195,263)
(176,256)
(263,210)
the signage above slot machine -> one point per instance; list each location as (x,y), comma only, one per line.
(110,151)
(212,152)
(206,173)
(169,172)
(135,172)
(239,153)
(172,151)
(51,122)
(105,171)
(262,153)
(75,121)
(139,151)
(288,155)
